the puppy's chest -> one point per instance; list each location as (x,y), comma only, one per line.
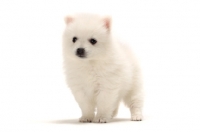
(92,77)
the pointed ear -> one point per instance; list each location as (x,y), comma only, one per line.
(68,19)
(107,23)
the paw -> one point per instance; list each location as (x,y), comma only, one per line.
(136,117)
(101,120)
(85,119)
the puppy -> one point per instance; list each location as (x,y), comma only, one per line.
(100,71)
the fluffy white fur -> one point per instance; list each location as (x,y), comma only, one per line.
(107,75)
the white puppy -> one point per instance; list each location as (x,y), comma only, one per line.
(100,71)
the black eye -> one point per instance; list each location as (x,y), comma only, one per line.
(93,41)
(74,39)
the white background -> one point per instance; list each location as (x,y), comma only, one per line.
(165,35)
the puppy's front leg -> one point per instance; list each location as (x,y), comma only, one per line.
(107,101)
(87,106)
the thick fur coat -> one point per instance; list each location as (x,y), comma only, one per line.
(100,71)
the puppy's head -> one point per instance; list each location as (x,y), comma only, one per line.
(87,36)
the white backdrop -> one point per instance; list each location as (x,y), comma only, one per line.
(165,35)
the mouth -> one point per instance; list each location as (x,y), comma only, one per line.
(81,56)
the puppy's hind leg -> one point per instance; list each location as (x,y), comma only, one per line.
(134,102)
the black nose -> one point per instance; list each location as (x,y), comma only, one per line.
(80,52)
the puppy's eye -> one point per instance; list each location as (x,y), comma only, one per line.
(93,41)
(74,39)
